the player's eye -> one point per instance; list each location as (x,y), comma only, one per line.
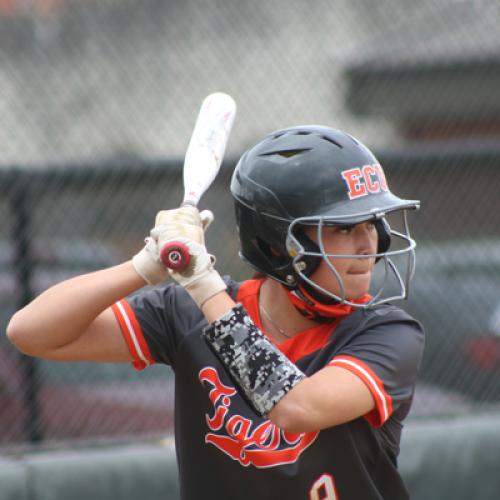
(346,229)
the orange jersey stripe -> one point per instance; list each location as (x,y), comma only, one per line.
(133,335)
(383,400)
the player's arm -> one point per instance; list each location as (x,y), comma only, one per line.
(362,381)
(292,401)
(330,397)
(72,321)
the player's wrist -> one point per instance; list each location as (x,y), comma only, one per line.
(206,287)
(200,279)
(217,306)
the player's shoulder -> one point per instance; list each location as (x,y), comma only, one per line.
(383,325)
(388,312)
(393,322)
(384,315)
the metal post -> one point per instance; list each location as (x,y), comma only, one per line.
(23,266)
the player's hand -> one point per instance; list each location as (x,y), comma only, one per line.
(200,279)
(183,225)
(147,263)
(187,226)
(185,222)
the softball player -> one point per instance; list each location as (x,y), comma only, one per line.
(294,383)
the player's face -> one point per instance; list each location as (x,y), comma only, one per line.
(360,239)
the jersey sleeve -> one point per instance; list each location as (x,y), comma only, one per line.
(133,335)
(386,357)
(154,321)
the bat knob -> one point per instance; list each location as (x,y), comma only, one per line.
(175,255)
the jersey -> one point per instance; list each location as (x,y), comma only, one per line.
(224,450)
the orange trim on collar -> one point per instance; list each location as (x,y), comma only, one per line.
(313,308)
(298,346)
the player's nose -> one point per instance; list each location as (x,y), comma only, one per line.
(366,239)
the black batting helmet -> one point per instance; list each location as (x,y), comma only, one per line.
(308,175)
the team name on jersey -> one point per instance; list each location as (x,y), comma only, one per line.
(250,442)
(362,181)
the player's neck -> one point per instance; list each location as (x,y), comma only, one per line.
(278,315)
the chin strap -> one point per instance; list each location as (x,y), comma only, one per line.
(312,308)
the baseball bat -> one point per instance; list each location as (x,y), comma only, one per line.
(202,162)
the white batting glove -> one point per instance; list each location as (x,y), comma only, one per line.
(200,279)
(147,263)
(185,221)
(183,225)
(187,226)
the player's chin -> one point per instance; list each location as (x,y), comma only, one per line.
(357,285)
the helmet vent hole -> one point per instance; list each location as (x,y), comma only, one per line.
(329,139)
(287,153)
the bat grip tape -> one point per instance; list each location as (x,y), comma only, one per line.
(260,370)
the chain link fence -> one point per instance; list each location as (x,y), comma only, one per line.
(97,105)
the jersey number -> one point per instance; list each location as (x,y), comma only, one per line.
(323,489)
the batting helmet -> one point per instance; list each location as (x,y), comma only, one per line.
(312,175)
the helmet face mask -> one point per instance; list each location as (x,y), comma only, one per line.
(396,267)
(313,175)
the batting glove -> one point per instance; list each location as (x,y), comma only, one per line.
(186,222)
(187,226)
(147,263)
(199,279)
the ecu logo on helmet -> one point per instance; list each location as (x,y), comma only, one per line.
(362,181)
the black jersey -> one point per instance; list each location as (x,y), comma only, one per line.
(224,450)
